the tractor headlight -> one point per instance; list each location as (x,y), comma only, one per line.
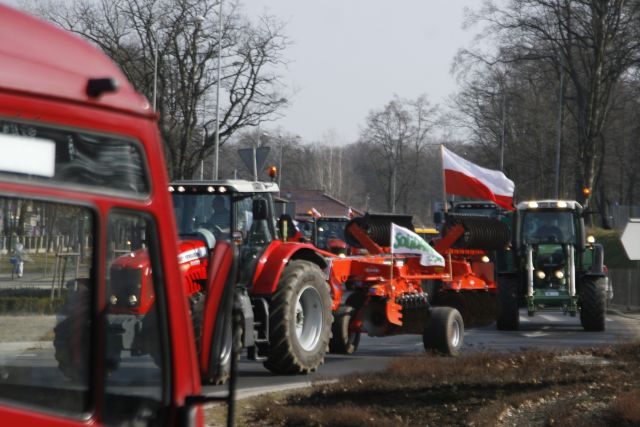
(133,300)
(485,258)
(591,239)
(533,205)
(113,300)
(540,274)
(559,275)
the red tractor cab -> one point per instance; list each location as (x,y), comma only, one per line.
(83,200)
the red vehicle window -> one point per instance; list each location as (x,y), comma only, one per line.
(46,294)
(134,345)
(96,162)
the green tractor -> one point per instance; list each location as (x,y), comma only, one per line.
(551,265)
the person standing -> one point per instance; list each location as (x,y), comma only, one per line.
(18,258)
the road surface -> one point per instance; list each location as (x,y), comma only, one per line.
(549,330)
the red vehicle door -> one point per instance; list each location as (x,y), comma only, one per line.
(83,182)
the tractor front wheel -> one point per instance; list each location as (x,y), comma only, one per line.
(445,331)
(593,304)
(299,320)
(508,312)
(343,341)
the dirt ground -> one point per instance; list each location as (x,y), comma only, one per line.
(595,387)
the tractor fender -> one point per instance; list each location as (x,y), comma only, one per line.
(275,258)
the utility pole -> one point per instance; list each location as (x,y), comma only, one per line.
(556,187)
(217,132)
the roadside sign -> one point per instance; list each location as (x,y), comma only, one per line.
(631,239)
(247,156)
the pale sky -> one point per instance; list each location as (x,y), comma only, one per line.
(351,56)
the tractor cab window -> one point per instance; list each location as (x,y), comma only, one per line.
(253,219)
(548,227)
(328,230)
(203,214)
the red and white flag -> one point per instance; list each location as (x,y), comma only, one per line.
(315,213)
(468,179)
(350,213)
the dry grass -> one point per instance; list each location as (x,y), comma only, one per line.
(483,389)
(625,409)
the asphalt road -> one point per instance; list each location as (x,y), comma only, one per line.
(549,330)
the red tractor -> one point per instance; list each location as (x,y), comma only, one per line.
(281,291)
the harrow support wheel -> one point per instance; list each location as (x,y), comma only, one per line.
(508,312)
(299,320)
(343,341)
(593,304)
(445,331)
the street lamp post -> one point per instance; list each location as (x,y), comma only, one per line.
(217,131)
(155,72)
(556,187)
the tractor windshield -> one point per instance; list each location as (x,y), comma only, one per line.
(548,227)
(198,212)
(219,215)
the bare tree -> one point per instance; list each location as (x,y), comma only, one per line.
(595,42)
(181,37)
(397,135)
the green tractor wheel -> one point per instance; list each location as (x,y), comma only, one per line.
(508,313)
(593,304)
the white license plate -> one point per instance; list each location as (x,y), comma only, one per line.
(551,293)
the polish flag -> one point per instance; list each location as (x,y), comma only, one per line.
(468,179)
(350,213)
(315,213)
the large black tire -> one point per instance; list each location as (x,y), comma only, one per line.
(71,337)
(444,331)
(593,304)
(508,311)
(72,360)
(342,341)
(299,320)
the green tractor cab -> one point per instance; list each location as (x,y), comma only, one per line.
(552,266)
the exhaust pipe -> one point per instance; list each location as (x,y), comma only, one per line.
(572,271)
(530,271)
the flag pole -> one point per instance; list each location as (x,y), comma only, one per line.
(444,183)
(391,271)
(446,209)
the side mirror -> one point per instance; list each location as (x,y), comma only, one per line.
(260,210)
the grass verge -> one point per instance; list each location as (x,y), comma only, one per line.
(582,388)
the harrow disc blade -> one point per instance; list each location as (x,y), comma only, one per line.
(378,227)
(480,232)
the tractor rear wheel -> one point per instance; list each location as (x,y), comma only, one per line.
(299,320)
(343,341)
(593,304)
(508,312)
(445,331)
